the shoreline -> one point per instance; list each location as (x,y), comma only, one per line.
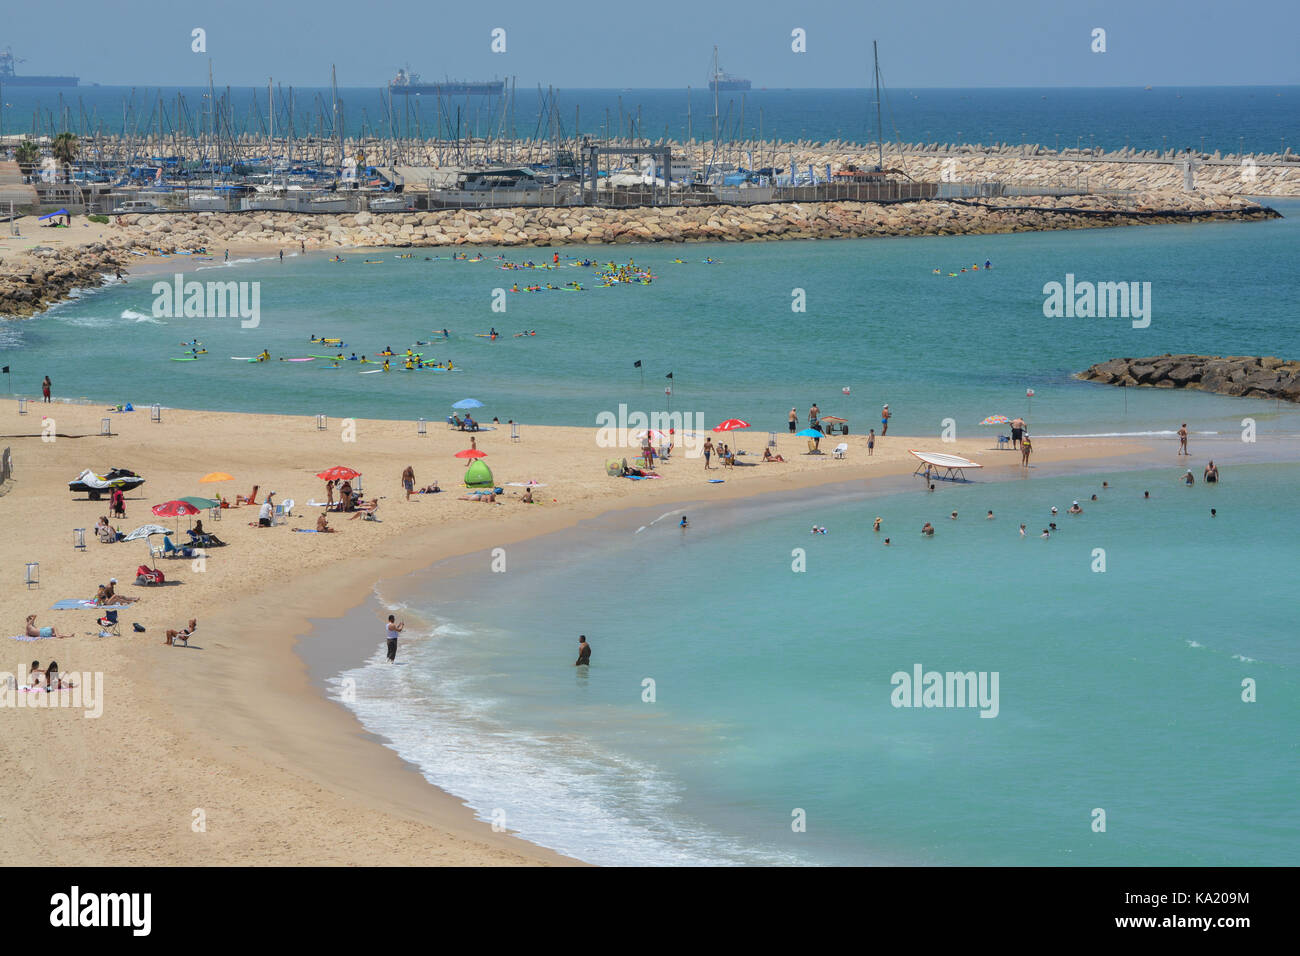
(238,729)
(333,650)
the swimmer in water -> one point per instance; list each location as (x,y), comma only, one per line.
(683,523)
(989,516)
(584,652)
(875,525)
(1146,494)
(1211,474)
(886,542)
(1213,513)
(953,516)
(1189,479)
(1046,534)
(1075,509)
(927,529)
(1022,531)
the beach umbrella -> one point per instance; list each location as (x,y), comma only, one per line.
(145,531)
(468,403)
(471,453)
(731,424)
(338,473)
(215,476)
(653,434)
(174,509)
(200,503)
(996,420)
(808,433)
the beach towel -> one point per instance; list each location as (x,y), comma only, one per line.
(716,481)
(307,530)
(73,604)
(318,504)
(24,637)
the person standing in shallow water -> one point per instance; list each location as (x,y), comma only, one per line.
(1182,440)
(584,652)
(390,634)
(45,388)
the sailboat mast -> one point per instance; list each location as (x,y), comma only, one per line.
(880,136)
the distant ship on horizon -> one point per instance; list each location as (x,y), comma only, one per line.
(409,83)
(9,77)
(720,82)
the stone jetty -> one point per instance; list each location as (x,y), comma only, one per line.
(1243,375)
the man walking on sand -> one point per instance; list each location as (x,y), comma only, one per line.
(395,627)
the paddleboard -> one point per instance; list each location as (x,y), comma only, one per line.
(184,360)
(242,358)
(370,371)
(331,358)
(297,360)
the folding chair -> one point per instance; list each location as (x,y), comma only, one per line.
(840,449)
(109,623)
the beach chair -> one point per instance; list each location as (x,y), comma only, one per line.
(278,516)
(170,550)
(514,431)
(1004,442)
(109,623)
(155,552)
(840,449)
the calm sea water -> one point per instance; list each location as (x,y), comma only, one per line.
(1119,690)
(877,321)
(1256,118)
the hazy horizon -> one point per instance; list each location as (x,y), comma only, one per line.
(1008,44)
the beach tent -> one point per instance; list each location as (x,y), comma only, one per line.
(478,475)
(51,215)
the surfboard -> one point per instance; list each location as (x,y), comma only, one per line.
(297,360)
(242,358)
(184,360)
(370,371)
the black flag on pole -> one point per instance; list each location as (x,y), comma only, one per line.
(636,364)
(5,370)
(669,375)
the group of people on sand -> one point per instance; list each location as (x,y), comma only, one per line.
(49,679)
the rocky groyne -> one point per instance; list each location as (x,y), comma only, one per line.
(1241,375)
(33,280)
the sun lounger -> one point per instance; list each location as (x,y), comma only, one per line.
(169,550)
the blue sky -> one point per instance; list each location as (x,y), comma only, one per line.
(668,43)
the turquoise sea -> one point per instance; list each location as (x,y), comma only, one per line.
(1119,690)
(877,321)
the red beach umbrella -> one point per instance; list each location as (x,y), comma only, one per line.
(471,453)
(731,424)
(174,509)
(338,473)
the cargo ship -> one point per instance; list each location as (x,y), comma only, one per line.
(410,83)
(8,77)
(720,82)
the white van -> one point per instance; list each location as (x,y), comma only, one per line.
(135,205)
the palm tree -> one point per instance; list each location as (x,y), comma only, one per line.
(28,154)
(65,151)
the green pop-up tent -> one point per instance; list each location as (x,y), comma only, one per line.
(478,474)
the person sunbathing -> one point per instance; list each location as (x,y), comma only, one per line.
(33,631)
(183,635)
(323,526)
(250,499)
(365,508)
(432,489)
(768,456)
(108,595)
(488,496)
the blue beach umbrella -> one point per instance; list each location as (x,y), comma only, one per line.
(809,433)
(468,403)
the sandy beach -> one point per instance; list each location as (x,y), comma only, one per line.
(231,731)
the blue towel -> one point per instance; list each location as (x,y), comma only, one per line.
(73,604)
